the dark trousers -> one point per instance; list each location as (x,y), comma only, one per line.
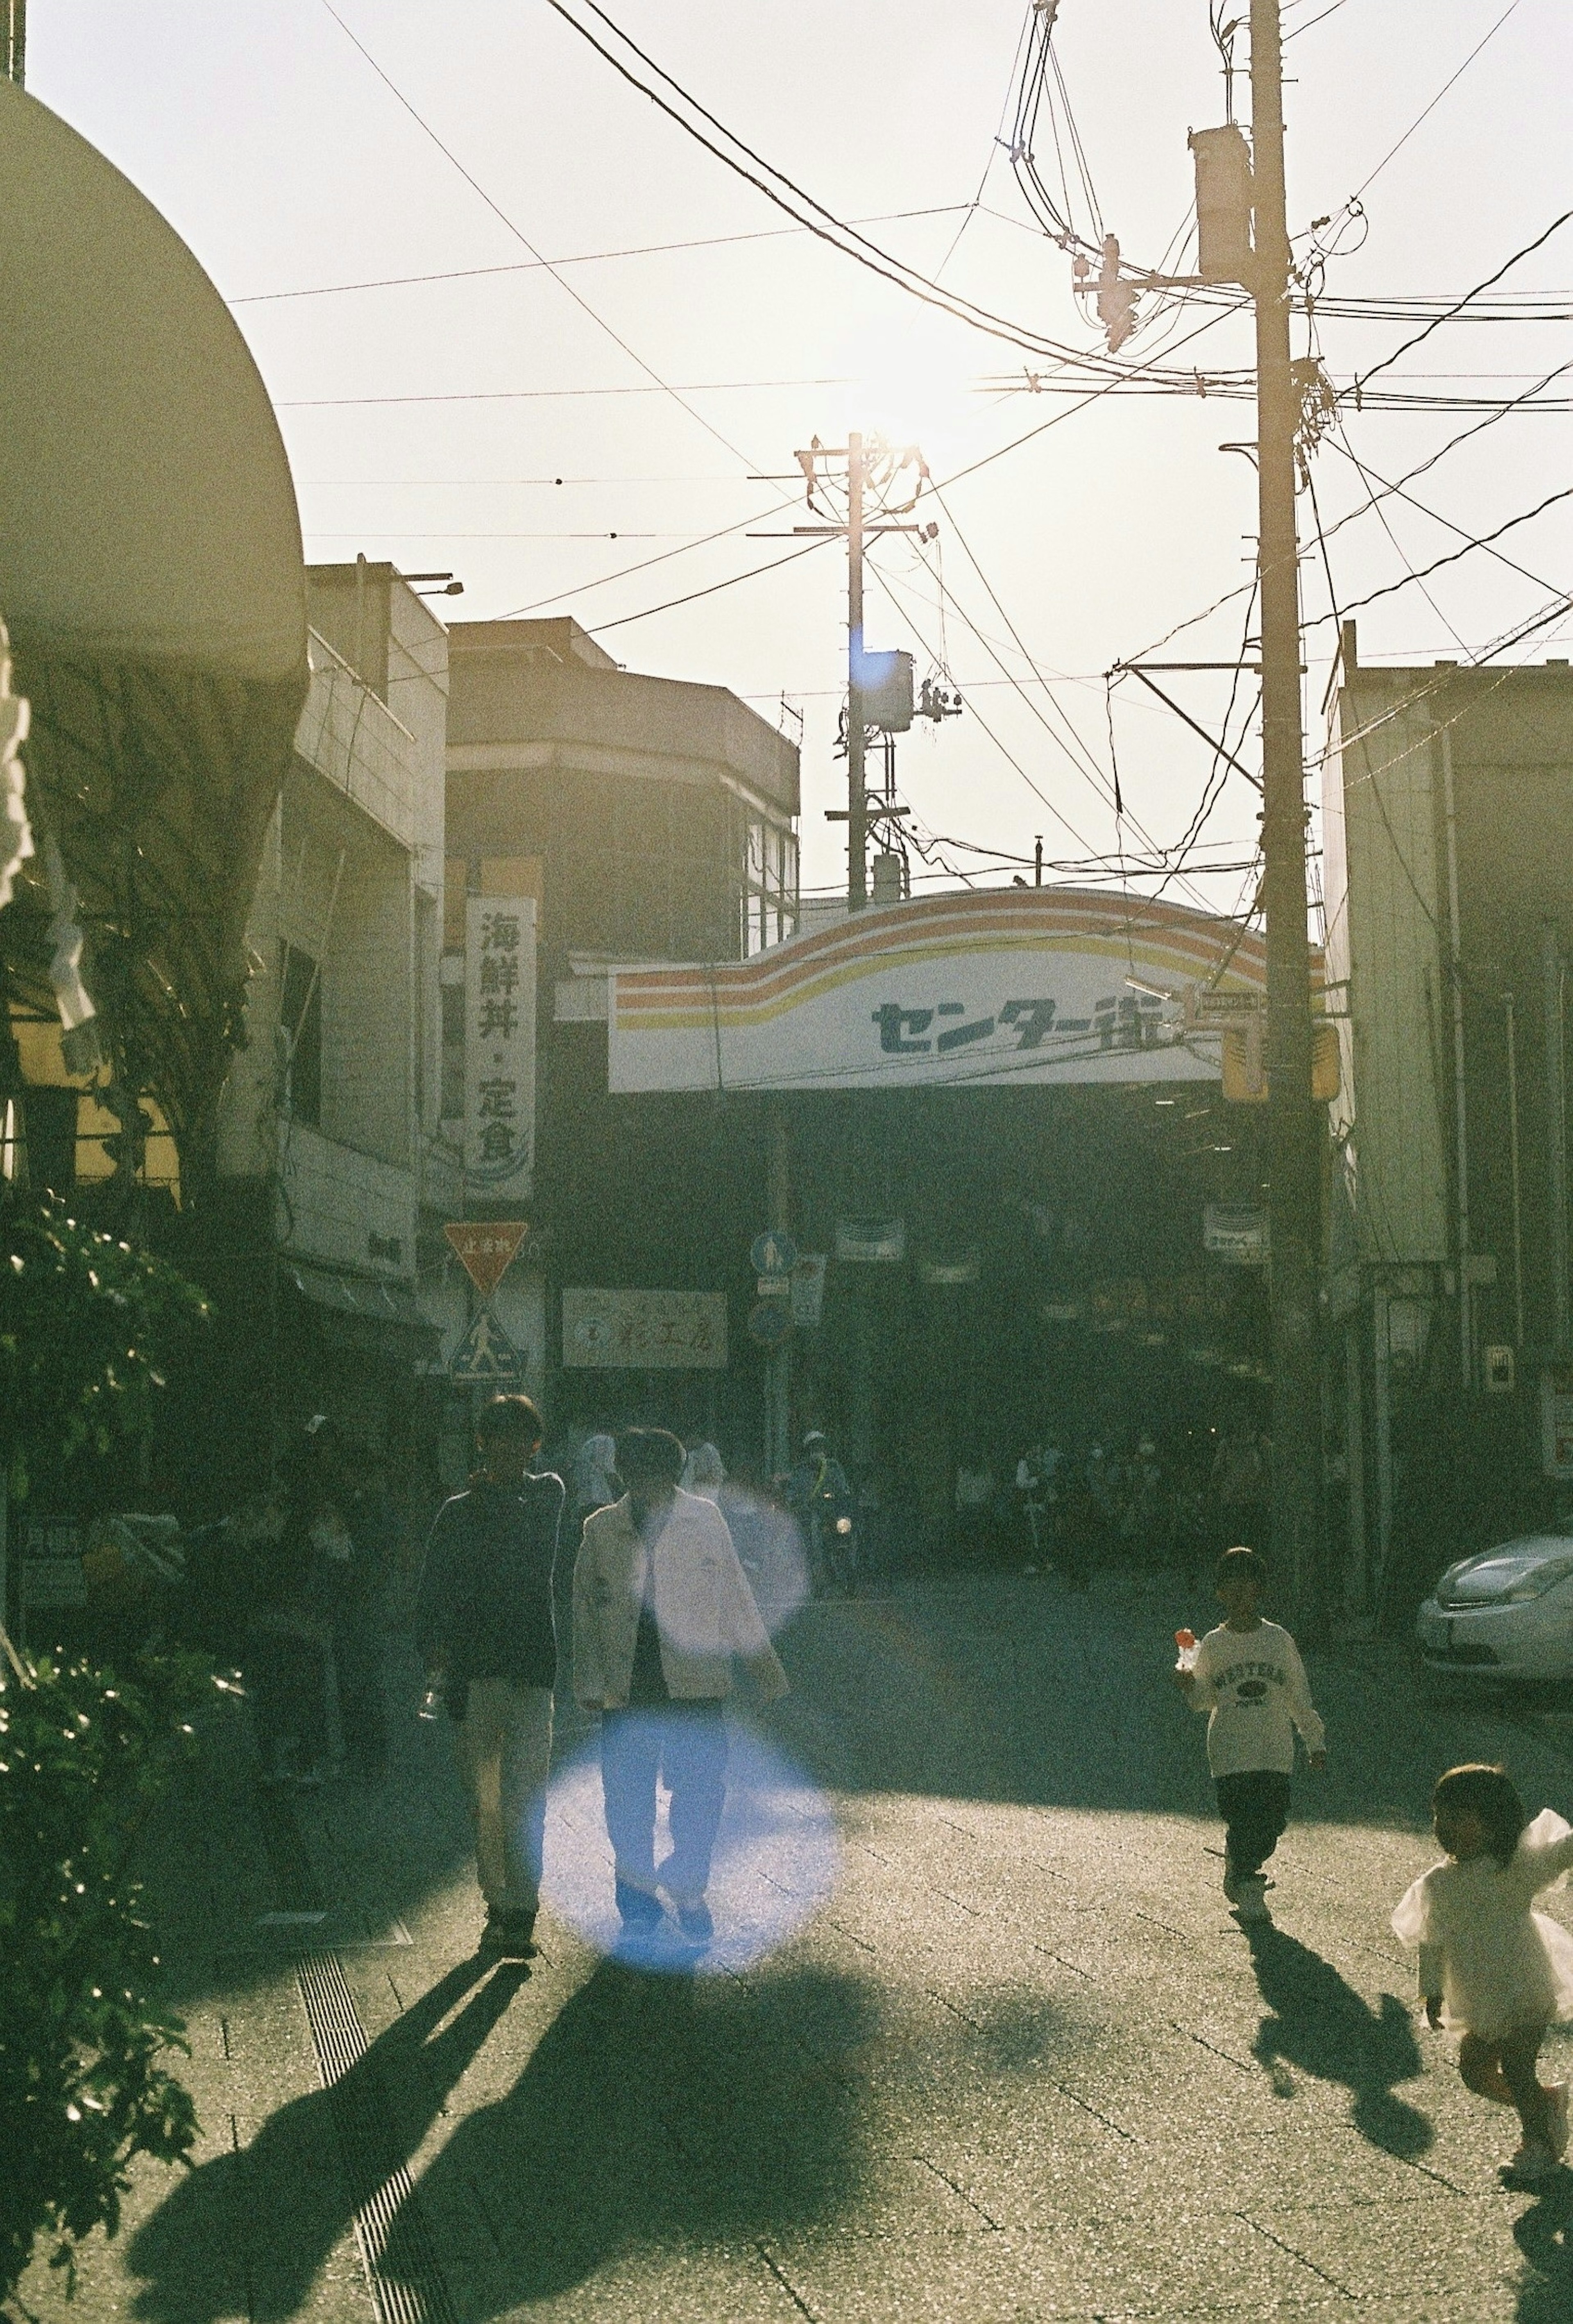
(1254,1808)
(288,1685)
(683,1744)
(357,1653)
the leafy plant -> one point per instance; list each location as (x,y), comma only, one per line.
(86,1325)
(85,2085)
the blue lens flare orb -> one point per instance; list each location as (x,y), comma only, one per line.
(774,1863)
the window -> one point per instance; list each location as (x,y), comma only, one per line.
(767,905)
(300,1024)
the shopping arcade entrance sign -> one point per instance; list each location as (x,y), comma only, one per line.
(1004,987)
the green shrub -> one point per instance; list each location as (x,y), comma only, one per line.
(86,1324)
(84,2048)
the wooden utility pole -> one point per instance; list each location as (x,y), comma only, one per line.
(1293,1126)
(857,796)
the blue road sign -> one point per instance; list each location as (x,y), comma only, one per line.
(486,1357)
(773,1253)
(770,1323)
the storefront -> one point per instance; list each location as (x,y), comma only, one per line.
(995,1129)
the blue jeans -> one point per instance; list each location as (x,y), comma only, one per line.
(684,1744)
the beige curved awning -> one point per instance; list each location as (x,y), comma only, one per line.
(152,579)
(146,507)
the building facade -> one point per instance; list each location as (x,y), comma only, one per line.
(330,1114)
(1449,926)
(617,818)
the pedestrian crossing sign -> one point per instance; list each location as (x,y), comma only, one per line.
(486,1357)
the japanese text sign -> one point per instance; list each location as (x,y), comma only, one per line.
(645,1331)
(500,978)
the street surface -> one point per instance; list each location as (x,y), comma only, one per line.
(1014,2060)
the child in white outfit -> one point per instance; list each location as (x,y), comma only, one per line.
(1249,1677)
(1490,1966)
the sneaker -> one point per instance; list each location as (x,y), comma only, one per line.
(696,1923)
(1251,1903)
(1558,2094)
(509,1936)
(1531,2168)
(638,1911)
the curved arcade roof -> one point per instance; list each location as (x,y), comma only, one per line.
(150,576)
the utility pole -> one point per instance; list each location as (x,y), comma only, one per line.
(1293,1127)
(857,798)
(13,28)
(872,466)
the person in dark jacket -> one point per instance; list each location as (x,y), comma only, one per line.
(484,1622)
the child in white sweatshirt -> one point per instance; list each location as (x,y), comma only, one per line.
(1249,1677)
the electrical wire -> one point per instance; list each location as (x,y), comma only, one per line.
(1393,150)
(520,236)
(581,257)
(883,578)
(1362,379)
(599,629)
(1482,540)
(773,182)
(556,395)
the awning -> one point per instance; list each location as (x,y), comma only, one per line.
(366,1314)
(150,576)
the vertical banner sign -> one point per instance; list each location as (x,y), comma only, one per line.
(499,973)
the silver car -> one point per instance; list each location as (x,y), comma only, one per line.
(1506,1613)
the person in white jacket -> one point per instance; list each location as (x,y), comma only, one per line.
(1250,1679)
(661,1607)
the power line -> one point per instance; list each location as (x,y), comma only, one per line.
(560,394)
(782,191)
(1008,756)
(1369,475)
(1388,361)
(1431,108)
(523,239)
(1482,541)
(599,629)
(577,258)
(625,572)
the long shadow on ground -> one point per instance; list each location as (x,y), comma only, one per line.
(1545,2237)
(249,2232)
(1321,2025)
(656,2110)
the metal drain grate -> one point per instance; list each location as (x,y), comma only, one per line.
(397,2251)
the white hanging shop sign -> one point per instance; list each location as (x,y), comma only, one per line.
(1005,986)
(500,978)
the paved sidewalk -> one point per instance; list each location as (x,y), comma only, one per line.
(1014,2060)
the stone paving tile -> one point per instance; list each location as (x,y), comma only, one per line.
(902,2107)
(708,2285)
(1113,2264)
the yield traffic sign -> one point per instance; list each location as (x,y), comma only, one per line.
(487,1249)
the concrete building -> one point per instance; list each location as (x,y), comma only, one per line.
(1449,926)
(330,1112)
(623,817)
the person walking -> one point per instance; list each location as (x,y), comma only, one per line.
(660,1608)
(703,1471)
(485,1626)
(595,1483)
(1491,1967)
(354,1535)
(820,1497)
(1247,1677)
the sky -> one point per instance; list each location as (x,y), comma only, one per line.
(430,422)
